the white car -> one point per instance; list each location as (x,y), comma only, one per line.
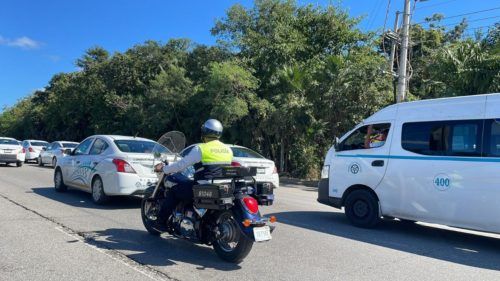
(33,149)
(107,165)
(54,151)
(242,156)
(11,151)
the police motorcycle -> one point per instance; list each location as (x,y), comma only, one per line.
(224,212)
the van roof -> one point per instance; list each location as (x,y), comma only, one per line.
(463,107)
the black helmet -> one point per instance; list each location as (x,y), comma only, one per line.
(212,128)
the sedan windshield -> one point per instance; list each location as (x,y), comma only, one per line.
(245,152)
(7,141)
(69,145)
(139,146)
(39,143)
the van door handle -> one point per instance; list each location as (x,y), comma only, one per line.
(378,163)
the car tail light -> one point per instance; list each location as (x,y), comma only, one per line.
(275,170)
(31,149)
(235,164)
(251,204)
(123,166)
(24,150)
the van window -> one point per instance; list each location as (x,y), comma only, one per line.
(455,138)
(494,138)
(366,137)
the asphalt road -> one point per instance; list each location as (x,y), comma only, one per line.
(46,235)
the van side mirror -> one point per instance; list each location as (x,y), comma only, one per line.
(336,144)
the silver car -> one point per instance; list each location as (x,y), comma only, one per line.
(55,151)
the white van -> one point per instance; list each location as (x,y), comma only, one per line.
(435,161)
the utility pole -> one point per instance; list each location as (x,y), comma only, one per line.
(393,45)
(402,78)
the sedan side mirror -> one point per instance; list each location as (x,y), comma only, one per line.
(68,151)
(44,148)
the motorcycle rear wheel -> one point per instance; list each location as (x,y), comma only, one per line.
(148,223)
(233,246)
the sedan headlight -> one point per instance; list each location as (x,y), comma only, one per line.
(325,171)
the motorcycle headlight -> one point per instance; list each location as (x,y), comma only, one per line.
(325,171)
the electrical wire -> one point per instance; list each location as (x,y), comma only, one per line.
(469,21)
(385,22)
(460,15)
(437,4)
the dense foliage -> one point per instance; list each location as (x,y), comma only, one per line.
(284,79)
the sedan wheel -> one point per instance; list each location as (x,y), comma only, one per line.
(40,163)
(98,195)
(59,182)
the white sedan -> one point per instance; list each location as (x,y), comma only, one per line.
(242,156)
(106,165)
(33,149)
(11,151)
(54,151)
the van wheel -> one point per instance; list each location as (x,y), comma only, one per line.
(361,208)
(98,195)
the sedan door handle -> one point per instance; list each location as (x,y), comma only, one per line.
(378,163)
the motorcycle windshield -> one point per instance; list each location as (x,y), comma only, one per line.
(167,150)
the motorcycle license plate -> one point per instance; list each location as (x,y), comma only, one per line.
(262,233)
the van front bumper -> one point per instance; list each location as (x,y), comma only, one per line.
(324,198)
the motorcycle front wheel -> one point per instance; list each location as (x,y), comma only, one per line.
(232,245)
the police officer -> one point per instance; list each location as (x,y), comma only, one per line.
(207,158)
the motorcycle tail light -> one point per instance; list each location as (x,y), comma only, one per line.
(251,204)
(123,166)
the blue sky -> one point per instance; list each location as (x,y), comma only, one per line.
(41,38)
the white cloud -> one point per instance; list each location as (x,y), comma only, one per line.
(21,42)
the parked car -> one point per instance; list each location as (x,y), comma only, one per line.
(434,161)
(33,149)
(267,174)
(11,151)
(108,165)
(54,151)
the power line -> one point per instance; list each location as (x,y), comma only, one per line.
(469,21)
(460,15)
(434,5)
